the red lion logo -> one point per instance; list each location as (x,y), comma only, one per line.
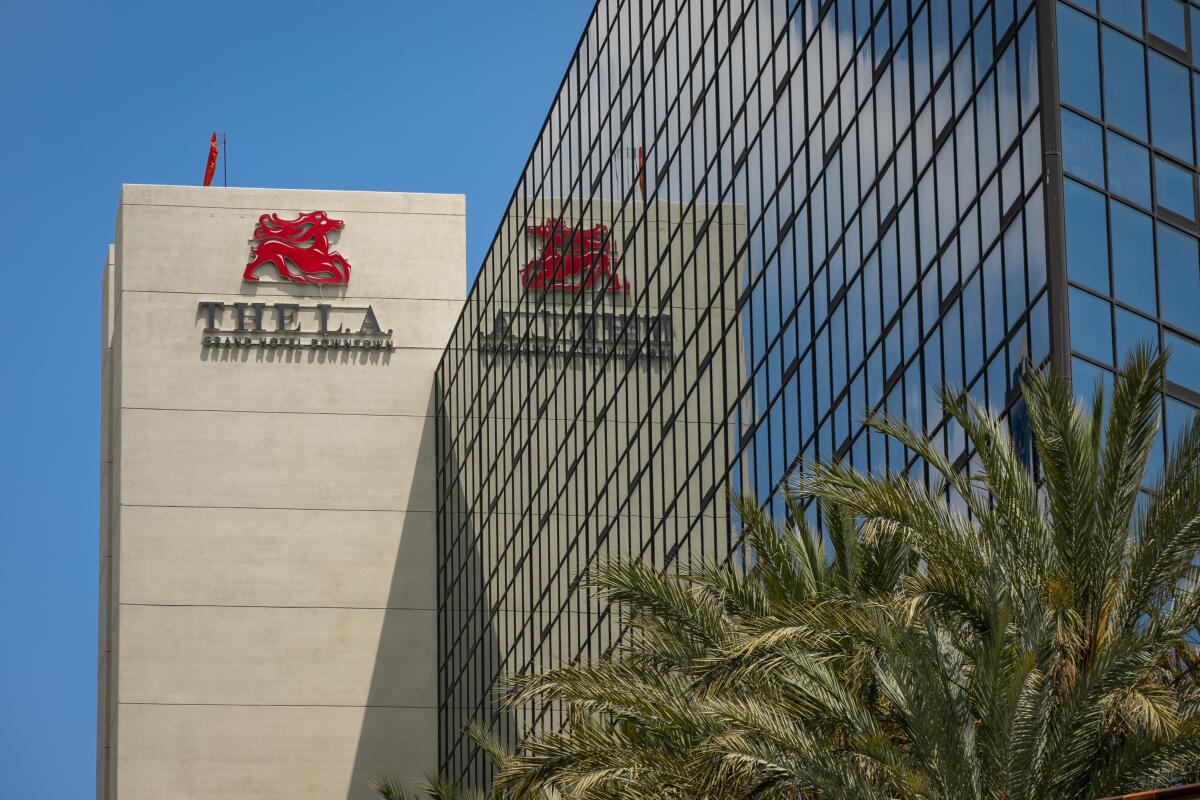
(572,259)
(303,243)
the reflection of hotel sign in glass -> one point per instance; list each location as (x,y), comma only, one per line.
(583,333)
(573,260)
(297,250)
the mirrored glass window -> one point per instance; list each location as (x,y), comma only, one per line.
(1083,148)
(1175,189)
(1176,416)
(1126,13)
(1195,28)
(1078,60)
(1134,329)
(1091,326)
(1124,83)
(1166,20)
(1184,365)
(1170,124)
(1087,236)
(1133,257)
(1128,169)
(1087,378)
(1178,277)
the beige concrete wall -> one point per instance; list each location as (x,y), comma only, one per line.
(268,537)
(106,605)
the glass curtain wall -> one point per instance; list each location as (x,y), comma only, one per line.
(791,213)
(1129,91)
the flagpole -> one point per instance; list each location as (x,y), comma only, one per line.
(225,157)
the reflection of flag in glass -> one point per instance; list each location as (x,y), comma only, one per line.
(211,167)
(640,156)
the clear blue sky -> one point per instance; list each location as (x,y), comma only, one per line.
(397,96)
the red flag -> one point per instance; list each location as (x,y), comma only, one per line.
(211,167)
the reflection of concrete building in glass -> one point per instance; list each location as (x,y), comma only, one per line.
(744,224)
(578,427)
(903,220)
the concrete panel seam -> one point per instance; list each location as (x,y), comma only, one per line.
(258,209)
(406,510)
(261,705)
(279,411)
(431,609)
(457,301)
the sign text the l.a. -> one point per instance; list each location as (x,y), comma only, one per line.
(291,325)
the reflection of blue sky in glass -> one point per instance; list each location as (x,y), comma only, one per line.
(1134,329)
(1132,257)
(1128,169)
(1170,124)
(1175,189)
(1078,62)
(1091,326)
(831,148)
(1126,13)
(1166,21)
(898,239)
(1083,148)
(1087,236)
(882,179)
(1179,279)
(1184,368)
(1155,264)
(1124,82)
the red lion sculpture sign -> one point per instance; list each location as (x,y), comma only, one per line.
(572,259)
(302,243)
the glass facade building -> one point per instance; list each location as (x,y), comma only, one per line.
(746,224)
(1129,107)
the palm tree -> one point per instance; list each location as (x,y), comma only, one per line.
(439,788)
(976,634)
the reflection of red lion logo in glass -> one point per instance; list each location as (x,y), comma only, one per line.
(303,243)
(572,259)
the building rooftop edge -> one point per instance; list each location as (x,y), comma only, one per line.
(256,198)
